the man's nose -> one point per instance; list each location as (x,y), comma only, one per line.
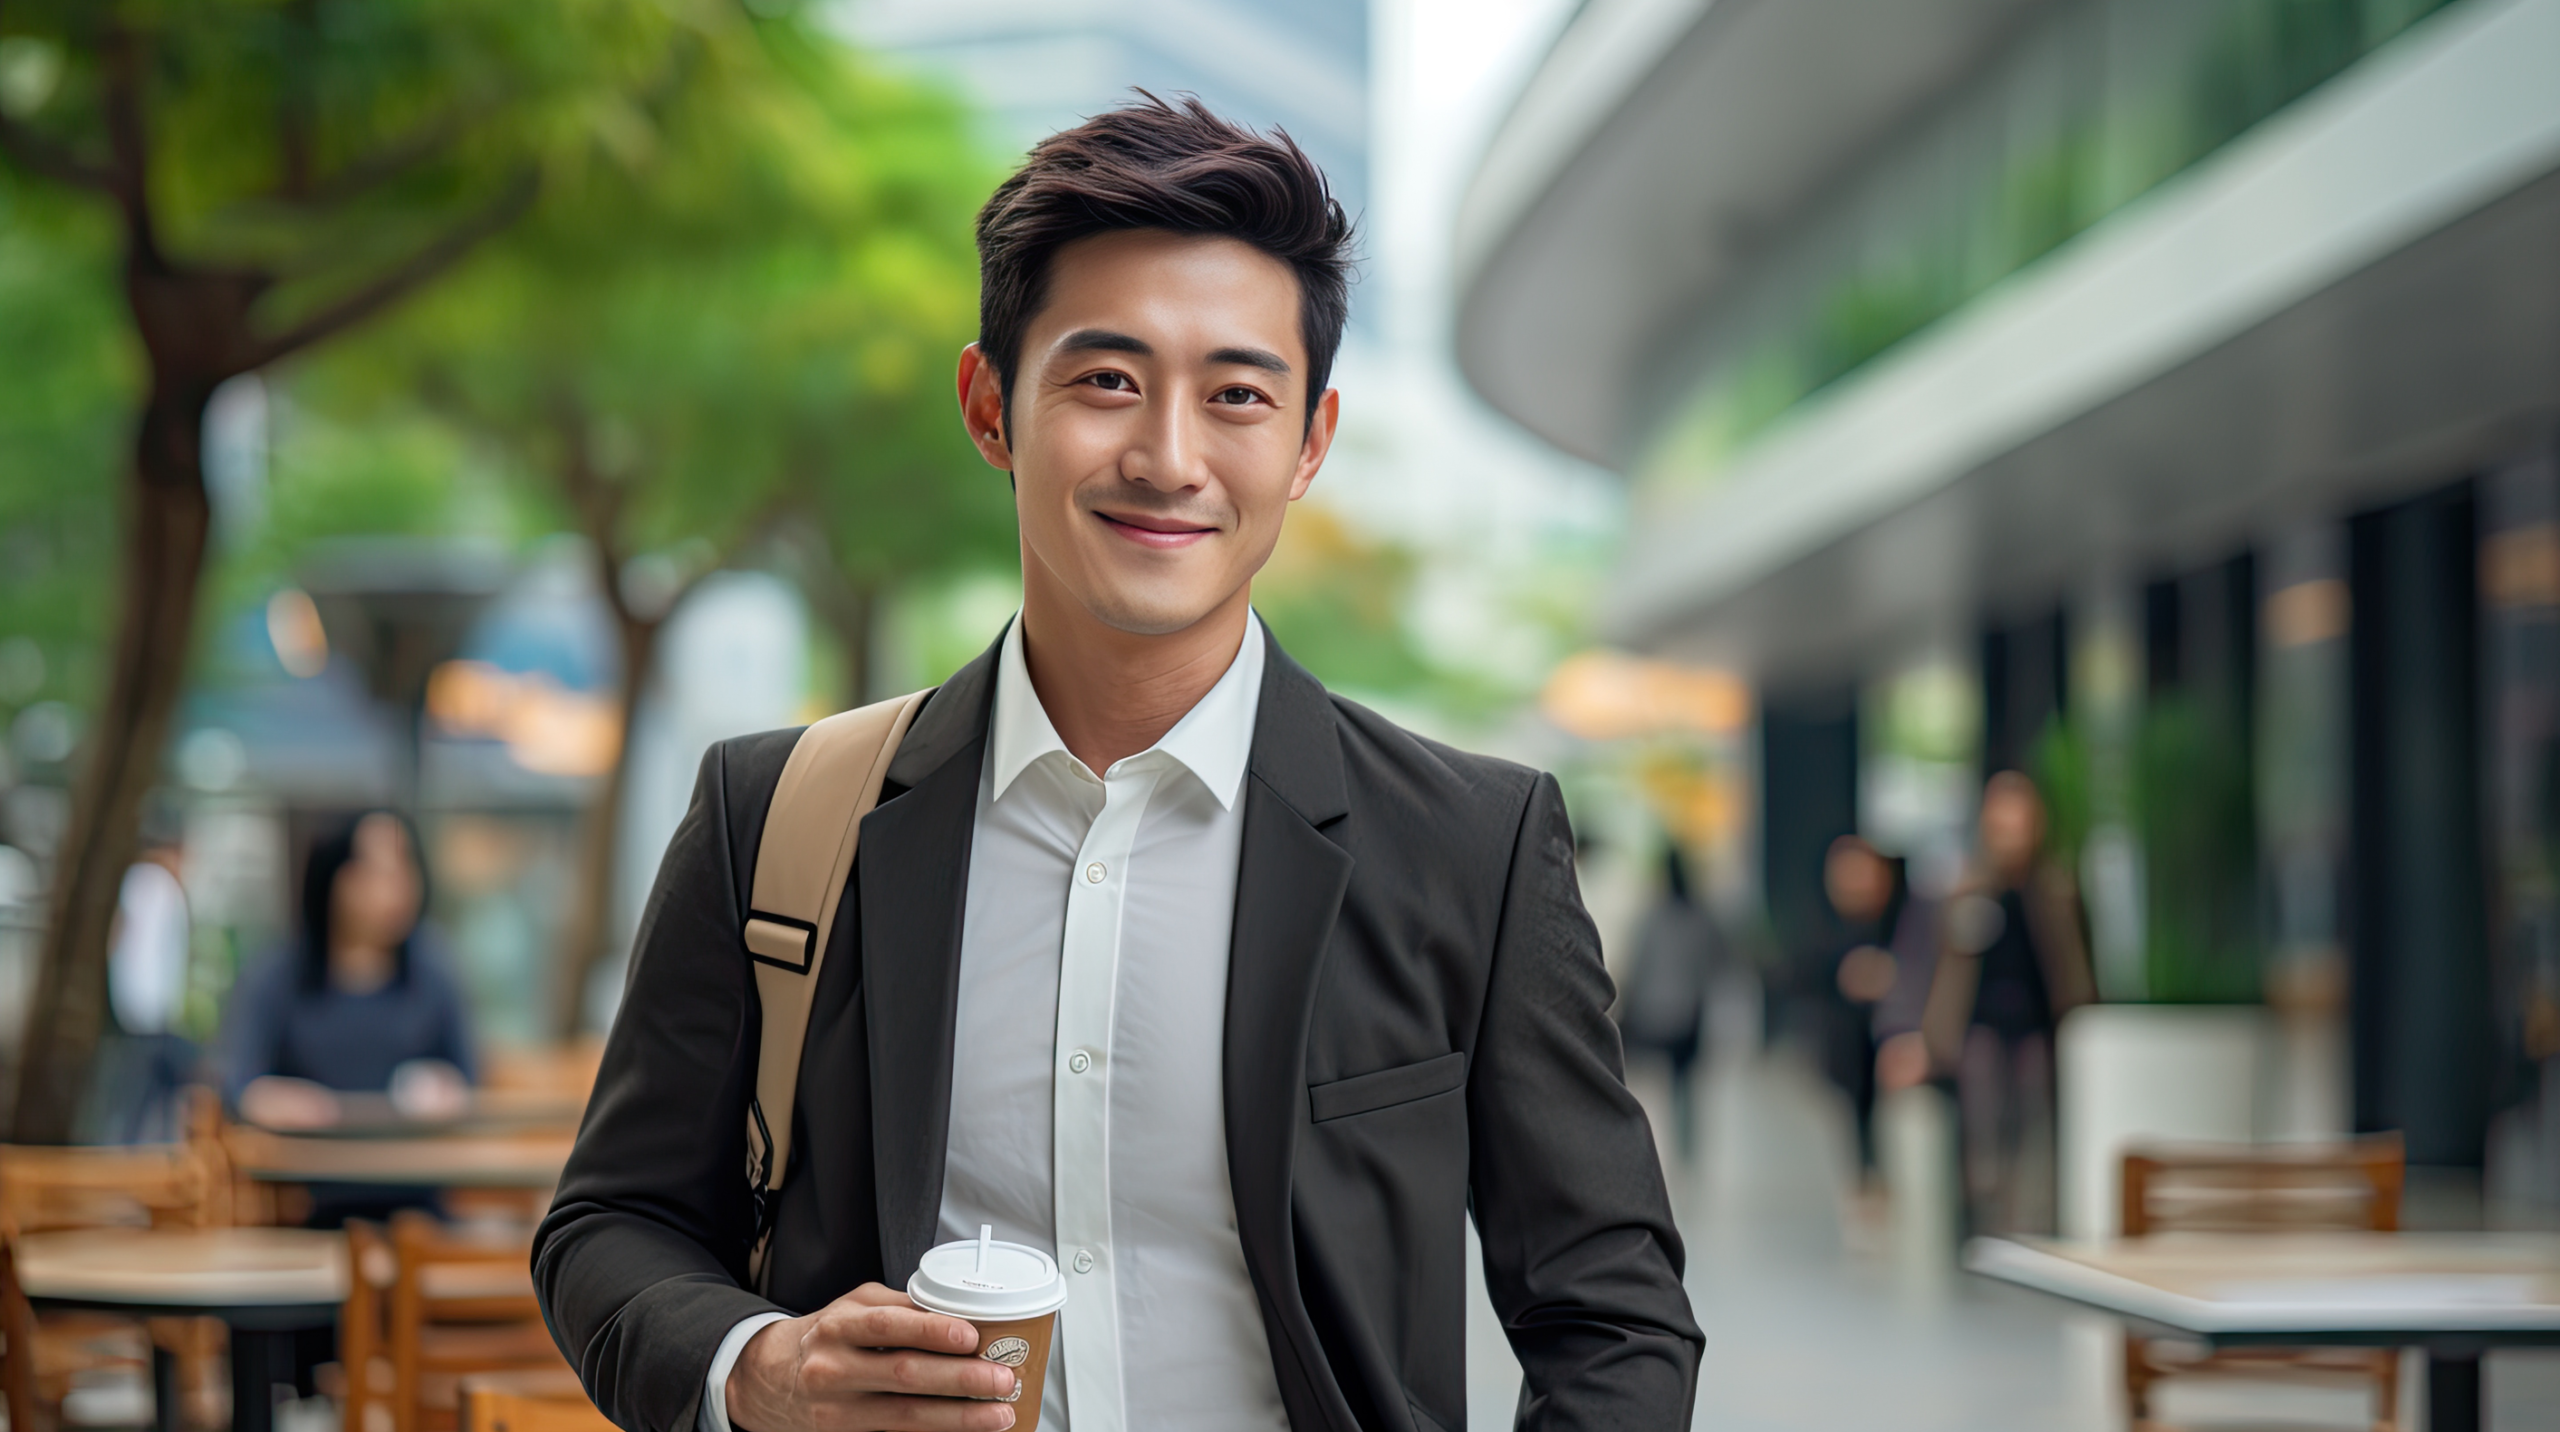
(1168,454)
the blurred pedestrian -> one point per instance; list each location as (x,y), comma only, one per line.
(2012,963)
(1663,1011)
(1866,890)
(360,1002)
(144,1061)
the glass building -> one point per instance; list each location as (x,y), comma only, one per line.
(2183,376)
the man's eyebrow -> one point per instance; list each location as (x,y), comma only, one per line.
(1087,340)
(1262,358)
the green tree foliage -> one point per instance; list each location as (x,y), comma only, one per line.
(67,382)
(738,320)
(273,172)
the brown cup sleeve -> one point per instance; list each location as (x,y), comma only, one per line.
(1023,1345)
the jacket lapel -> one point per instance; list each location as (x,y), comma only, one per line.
(912,874)
(1289,887)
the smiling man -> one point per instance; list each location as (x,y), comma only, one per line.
(1154,956)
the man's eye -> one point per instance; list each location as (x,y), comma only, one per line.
(1239,396)
(1113,382)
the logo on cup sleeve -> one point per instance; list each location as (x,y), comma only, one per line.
(1012,1352)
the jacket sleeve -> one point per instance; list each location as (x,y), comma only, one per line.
(641,1265)
(1580,1255)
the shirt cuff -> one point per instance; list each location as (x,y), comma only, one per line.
(714,1416)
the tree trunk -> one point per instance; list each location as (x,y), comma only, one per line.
(852,610)
(165,532)
(589,930)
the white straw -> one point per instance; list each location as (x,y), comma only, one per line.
(986,1235)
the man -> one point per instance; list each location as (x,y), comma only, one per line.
(1154,955)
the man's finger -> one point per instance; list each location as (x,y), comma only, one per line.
(938,1414)
(839,1369)
(925,1374)
(881,1325)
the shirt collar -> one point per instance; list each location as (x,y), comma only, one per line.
(1213,740)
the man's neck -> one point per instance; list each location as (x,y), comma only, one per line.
(1111,694)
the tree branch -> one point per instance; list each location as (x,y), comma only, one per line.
(421,267)
(393,160)
(128,139)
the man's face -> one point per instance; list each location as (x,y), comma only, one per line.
(1159,425)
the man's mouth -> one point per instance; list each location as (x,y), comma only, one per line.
(1158,532)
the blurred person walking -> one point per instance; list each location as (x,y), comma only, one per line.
(1867,891)
(1663,1010)
(1154,956)
(362,1001)
(2013,961)
(143,1060)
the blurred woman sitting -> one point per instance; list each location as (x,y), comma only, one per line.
(360,1003)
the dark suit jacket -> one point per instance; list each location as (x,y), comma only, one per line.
(1416,1027)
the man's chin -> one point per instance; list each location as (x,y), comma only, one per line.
(1152,613)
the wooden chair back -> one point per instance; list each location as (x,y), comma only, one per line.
(180,1185)
(461,1302)
(364,1351)
(43,1189)
(2353,1186)
(565,1071)
(529,1401)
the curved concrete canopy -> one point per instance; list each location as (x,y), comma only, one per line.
(1659,144)
(2354,301)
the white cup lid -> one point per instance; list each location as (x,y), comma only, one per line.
(983,1278)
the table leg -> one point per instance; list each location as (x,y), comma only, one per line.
(259,1360)
(165,1404)
(2453,1391)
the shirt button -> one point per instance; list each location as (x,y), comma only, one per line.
(1093,873)
(1084,1260)
(1079,1061)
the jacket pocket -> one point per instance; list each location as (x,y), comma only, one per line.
(1365,1093)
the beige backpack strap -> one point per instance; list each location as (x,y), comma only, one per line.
(810,829)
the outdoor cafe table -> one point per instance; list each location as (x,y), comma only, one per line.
(457,1160)
(2454,1295)
(266,1283)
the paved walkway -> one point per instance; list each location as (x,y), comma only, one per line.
(1810,1328)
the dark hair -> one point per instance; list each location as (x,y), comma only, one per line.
(331,854)
(1154,165)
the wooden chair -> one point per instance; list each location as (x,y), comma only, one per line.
(42,1189)
(566,1071)
(368,1382)
(532,1087)
(461,1302)
(2270,1189)
(532,1401)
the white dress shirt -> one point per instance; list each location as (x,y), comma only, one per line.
(1087,1114)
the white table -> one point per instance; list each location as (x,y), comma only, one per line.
(266,1283)
(2454,1295)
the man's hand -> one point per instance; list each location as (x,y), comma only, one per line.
(871,1361)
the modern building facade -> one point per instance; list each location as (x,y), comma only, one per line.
(2188,371)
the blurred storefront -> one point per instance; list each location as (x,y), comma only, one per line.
(2161,395)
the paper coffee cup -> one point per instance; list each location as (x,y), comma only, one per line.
(1012,1294)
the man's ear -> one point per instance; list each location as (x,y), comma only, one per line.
(982,408)
(1319,441)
